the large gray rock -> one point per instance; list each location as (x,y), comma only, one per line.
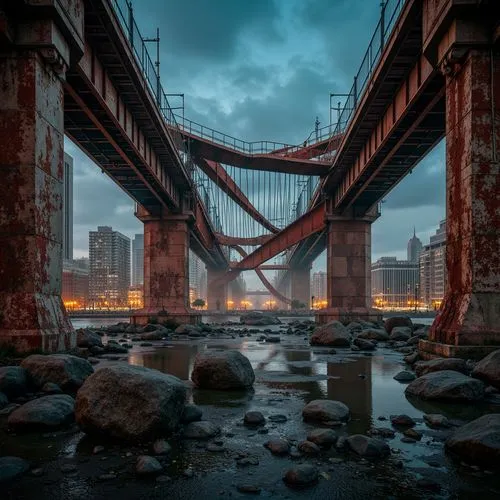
(400,333)
(390,323)
(333,333)
(88,338)
(325,410)
(130,402)
(488,369)
(45,413)
(373,334)
(439,364)
(478,441)
(13,381)
(11,468)
(368,447)
(222,370)
(68,372)
(446,385)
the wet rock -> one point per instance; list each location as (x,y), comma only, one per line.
(436,420)
(51,388)
(98,449)
(439,364)
(277,419)
(408,440)
(3,401)
(256,318)
(323,410)
(48,412)
(191,413)
(396,321)
(382,432)
(215,448)
(68,372)
(145,344)
(368,447)
(488,369)
(254,418)
(156,335)
(274,339)
(9,409)
(405,376)
(411,359)
(301,475)
(118,328)
(12,468)
(341,443)
(244,461)
(333,333)
(402,420)
(249,488)
(130,402)
(161,447)
(222,370)
(201,430)
(308,448)
(373,334)
(147,465)
(446,385)
(364,345)
(478,442)
(13,381)
(413,434)
(322,437)
(400,333)
(278,446)
(88,338)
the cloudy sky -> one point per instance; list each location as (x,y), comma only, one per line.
(262,69)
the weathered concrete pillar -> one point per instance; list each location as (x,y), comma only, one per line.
(217,290)
(166,270)
(37,44)
(348,270)
(468,323)
(301,285)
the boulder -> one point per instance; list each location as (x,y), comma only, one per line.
(308,448)
(88,338)
(436,420)
(201,430)
(187,329)
(254,418)
(13,381)
(395,321)
(46,413)
(118,328)
(368,447)
(488,369)
(478,442)
(364,345)
(130,402)
(147,465)
(278,446)
(222,370)
(68,372)
(439,364)
(301,475)
(402,420)
(325,410)
(322,437)
(333,333)
(11,468)
(373,334)
(446,385)
(400,333)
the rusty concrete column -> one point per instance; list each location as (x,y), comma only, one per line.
(301,285)
(348,268)
(166,270)
(37,46)
(217,290)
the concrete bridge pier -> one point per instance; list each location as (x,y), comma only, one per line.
(348,270)
(468,323)
(301,285)
(37,45)
(166,269)
(217,290)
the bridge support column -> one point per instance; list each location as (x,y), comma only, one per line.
(468,323)
(166,270)
(217,292)
(301,285)
(34,56)
(348,271)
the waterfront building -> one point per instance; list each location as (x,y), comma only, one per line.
(197,278)
(67,208)
(136,297)
(109,253)
(318,289)
(75,284)
(138,260)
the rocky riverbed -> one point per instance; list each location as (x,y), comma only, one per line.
(286,410)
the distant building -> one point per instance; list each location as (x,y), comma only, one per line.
(318,288)
(67,208)
(414,248)
(136,297)
(197,278)
(138,260)
(109,253)
(433,276)
(394,283)
(75,285)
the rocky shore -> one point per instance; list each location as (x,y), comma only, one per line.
(131,425)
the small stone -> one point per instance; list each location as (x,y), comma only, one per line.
(309,448)
(97,449)
(254,418)
(51,388)
(189,472)
(201,430)
(148,465)
(107,477)
(278,419)
(402,420)
(436,420)
(368,447)
(413,434)
(322,437)
(263,431)
(163,479)
(248,488)
(405,376)
(408,440)
(215,448)
(191,413)
(37,472)
(242,462)
(161,447)
(278,446)
(301,475)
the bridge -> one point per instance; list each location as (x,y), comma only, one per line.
(82,68)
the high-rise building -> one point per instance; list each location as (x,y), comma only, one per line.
(395,283)
(67,208)
(109,253)
(75,284)
(138,260)
(433,268)
(414,248)
(318,287)
(197,278)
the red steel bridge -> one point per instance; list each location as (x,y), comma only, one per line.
(82,68)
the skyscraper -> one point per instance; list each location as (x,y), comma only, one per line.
(138,260)
(414,248)
(197,278)
(67,208)
(109,253)
(318,286)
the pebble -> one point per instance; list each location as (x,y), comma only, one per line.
(97,449)
(301,475)
(249,488)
